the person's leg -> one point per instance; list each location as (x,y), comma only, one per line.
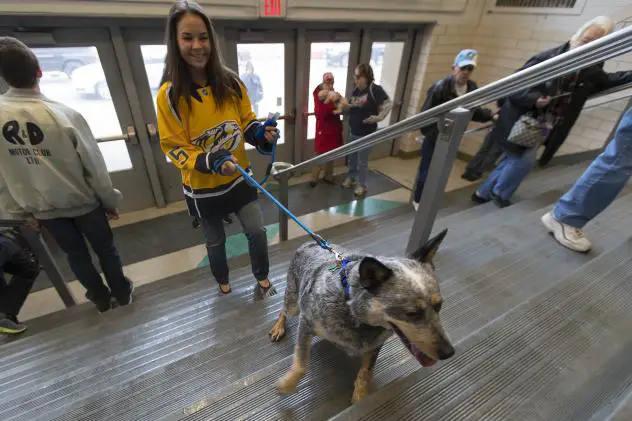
(70,239)
(24,267)
(484,191)
(476,167)
(315,175)
(8,320)
(594,191)
(216,249)
(427,149)
(515,171)
(328,176)
(363,172)
(96,228)
(251,220)
(352,162)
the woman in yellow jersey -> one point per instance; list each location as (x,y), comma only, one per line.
(204,118)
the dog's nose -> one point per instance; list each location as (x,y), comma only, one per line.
(445,351)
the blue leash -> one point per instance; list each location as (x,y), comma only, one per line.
(319,240)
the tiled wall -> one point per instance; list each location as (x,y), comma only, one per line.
(505,42)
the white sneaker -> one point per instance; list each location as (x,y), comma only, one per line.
(570,237)
(348,183)
(416,206)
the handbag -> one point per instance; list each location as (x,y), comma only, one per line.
(529,131)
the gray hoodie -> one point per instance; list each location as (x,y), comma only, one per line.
(50,163)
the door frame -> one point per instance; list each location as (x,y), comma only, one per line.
(306,38)
(407,36)
(234,35)
(134,183)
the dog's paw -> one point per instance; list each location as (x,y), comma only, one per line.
(278,331)
(287,385)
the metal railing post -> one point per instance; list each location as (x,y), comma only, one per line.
(46,260)
(284,199)
(451,129)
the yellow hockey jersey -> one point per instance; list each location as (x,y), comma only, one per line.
(206,129)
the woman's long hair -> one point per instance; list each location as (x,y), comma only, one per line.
(224,83)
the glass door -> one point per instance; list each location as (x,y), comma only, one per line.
(85,77)
(335,52)
(388,53)
(265,61)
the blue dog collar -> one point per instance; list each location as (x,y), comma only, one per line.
(343,278)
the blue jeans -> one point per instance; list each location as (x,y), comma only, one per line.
(508,175)
(358,163)
(251,220)
(602,181)
(427,149)
(69,235)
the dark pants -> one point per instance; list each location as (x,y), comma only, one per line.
(251,220)
(486,156)
(69,235)
(22,264)
(427,150)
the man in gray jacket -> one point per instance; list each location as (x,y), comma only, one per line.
(52,172)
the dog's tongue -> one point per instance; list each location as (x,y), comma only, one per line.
(419,355)
(423,359)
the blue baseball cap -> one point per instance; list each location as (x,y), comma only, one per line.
(466,58)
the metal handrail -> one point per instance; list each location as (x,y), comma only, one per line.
(588,106)
(612,45)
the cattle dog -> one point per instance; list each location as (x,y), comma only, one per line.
(358,303)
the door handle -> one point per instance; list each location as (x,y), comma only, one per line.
(151,131)
(131,136)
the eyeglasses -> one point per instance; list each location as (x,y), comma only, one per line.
(468,68)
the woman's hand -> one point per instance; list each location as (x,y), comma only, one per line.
(271,134)
(543,101)
(228,168)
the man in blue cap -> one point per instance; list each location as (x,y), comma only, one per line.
(456,84)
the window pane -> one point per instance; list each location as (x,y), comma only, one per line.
(326,57)
(262,69)
(154,60)
(74,77)
(386,59)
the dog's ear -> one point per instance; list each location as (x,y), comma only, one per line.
(373,273)
(427,252)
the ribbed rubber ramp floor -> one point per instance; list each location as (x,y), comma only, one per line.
(541,333)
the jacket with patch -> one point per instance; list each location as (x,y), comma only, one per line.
(195,140)
(50,164)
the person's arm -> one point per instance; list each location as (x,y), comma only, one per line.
(529,97)
(605,80)
(482,115)
(95,170)
(8,203)
(175,143)
(261,136)
(384,105)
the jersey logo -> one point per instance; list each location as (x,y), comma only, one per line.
(13,133)
(226,135)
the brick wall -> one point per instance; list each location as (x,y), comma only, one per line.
(505,41)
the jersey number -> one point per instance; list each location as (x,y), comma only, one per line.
(179,155)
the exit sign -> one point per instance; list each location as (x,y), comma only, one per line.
(272,8)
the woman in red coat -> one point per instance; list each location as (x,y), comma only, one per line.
(328,128)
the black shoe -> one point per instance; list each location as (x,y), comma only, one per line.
(313,183)
(10,325)
(228,220)
(478,199)
(127,299)
(500,202)
(102,305)
(471,176)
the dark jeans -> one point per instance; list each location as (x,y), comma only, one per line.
(23,265)
(252,222)
(427,149)
(486,156)
(69,234)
